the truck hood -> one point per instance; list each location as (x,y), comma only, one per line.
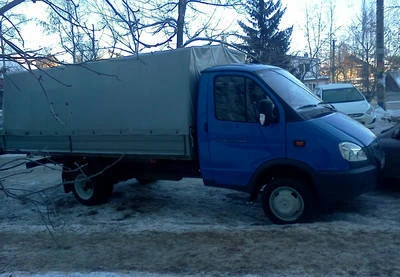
(340,123)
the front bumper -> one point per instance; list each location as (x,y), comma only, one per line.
(365,119)
(336,187)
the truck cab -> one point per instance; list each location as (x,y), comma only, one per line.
(261,130)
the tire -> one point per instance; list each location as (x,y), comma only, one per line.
(88,191)
(91,191)
(287,201)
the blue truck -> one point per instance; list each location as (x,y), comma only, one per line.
(195,112)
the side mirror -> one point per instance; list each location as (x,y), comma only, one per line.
(266,112)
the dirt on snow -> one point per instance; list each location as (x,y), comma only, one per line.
(186,229)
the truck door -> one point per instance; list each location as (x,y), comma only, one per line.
(236,142)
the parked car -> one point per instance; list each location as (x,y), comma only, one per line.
(389,141)
(349,100)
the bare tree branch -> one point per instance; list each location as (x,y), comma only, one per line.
(11,5)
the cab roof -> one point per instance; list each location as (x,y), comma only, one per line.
(240,67)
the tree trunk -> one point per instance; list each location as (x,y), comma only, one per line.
(180,23)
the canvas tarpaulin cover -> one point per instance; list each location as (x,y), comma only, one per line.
(148,94)
(153,92)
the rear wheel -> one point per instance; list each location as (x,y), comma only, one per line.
(287,200)
(89,191)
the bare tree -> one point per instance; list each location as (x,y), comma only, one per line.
(14,50)
(9,26)
(317,39)
(77,37)
(319,32)
(392,34)
(190,11)
(10,37)
(123,23)
(136,25)
(363,34)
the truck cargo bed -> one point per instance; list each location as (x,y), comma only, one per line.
(140,105)
(160,146)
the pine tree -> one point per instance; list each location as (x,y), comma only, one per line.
(264,42)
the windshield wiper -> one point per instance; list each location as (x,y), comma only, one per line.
(326,105)
(307,106)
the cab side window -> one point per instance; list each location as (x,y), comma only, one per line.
(230,98)
(237,98)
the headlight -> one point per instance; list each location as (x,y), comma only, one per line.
(352,152)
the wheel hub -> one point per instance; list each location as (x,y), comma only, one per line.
(286,203)
(83,187)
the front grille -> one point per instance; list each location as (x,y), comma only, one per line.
(375,153)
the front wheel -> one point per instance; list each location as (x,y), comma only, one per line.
(287,200)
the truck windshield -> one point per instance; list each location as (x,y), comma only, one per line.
(289,88)
(295,93)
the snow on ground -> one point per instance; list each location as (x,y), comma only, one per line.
(186,229)
(98,274)
(387,118)
(388,115)
(93,274)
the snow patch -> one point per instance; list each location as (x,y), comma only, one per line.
(108,274)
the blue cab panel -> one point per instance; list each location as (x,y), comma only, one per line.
(303,134)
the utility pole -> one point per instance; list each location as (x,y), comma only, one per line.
(380,55)
(333,69)
(3,68)
(3,52)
